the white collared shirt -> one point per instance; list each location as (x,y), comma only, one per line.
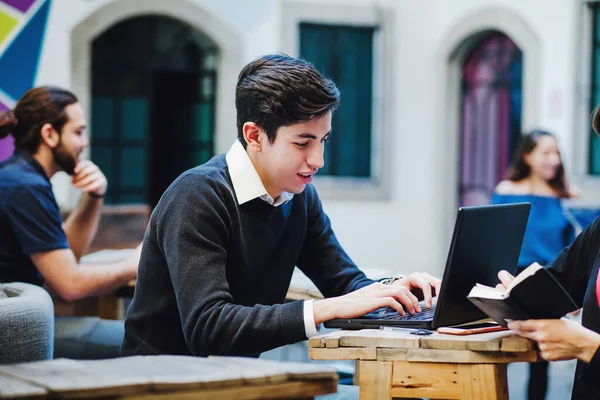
(247,186)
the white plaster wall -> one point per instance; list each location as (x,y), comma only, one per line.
(409,231)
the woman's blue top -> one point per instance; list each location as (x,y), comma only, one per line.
(548,230)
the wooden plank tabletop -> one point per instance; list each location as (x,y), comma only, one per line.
(11,388)
(492,341)
(375,344)
(133,376)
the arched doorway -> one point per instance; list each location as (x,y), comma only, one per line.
(491,114)
(152,106)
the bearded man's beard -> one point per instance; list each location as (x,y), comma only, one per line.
(64,159)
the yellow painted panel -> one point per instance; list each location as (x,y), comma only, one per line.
(7,23)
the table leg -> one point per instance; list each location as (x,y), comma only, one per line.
(449,381)
(375,380)
(356,378)
(108,306)
(483,381)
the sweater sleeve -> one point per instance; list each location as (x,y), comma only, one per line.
(193,234)
(573,266)
(322,258)
(590,372)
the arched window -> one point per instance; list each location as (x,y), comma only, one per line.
(491,114)
(153,105)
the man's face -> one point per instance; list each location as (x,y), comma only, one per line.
(296,154)
(73,139)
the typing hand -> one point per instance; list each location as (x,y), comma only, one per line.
(87,176)
(423,282)
(365,300)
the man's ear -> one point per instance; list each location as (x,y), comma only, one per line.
(252,135)
(49,135)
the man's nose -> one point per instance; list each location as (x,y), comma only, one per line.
(315,158)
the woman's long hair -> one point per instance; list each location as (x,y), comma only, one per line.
(521,170)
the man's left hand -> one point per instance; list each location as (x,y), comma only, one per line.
(90,178)
(424,282)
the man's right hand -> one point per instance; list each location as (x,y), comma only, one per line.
(89,177)
(366,300)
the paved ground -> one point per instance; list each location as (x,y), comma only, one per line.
(560,384)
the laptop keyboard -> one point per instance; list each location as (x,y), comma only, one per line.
(391,314)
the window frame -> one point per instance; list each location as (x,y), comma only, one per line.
(378,185)
(591,34)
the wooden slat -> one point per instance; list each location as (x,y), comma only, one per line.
(272,368)
(78,378)
(483,382)
(330,340)
(296,293)
(284,390)
(378,338)
(13,388)
(343,354)
(454,356)
(516,343)
(429,380)
(492,341)
(316,341)
(375,380)
(141,374)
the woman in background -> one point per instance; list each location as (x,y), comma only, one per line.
(537,176)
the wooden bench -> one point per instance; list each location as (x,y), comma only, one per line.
(162,377)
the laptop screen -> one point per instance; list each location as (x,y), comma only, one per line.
(486,240)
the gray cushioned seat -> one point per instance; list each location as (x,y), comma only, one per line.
(26,323)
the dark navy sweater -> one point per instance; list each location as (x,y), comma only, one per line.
(576,267)
(213,274)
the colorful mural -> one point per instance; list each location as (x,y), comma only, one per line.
(22,27)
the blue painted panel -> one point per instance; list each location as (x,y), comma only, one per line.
(20,60)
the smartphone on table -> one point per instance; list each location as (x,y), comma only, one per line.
(471,329)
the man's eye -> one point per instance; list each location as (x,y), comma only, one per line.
(325,140)
(302,144)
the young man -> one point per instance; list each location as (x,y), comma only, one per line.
(49,129)
(224,239)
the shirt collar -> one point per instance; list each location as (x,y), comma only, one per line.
(246,182)
(31,161)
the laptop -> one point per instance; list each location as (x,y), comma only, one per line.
(486,240)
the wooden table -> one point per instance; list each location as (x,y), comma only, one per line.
(402,365)
(166,377)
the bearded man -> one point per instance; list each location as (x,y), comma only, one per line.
(36,247)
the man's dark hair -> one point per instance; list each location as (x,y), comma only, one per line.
(278,90)
(38,106)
